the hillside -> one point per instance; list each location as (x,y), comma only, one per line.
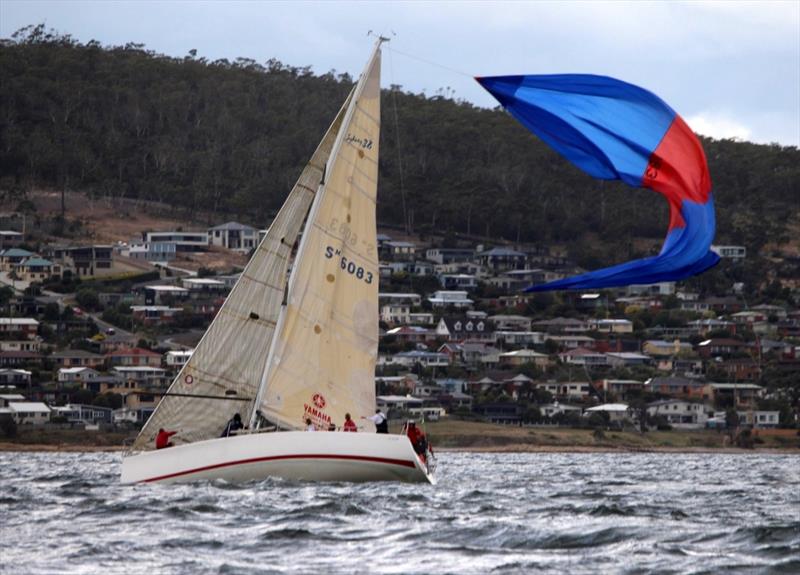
(229,138)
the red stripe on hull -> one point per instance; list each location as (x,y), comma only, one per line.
(401,462)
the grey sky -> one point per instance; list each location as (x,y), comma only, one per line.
(732,69)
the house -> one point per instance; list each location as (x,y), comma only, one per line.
(177,359)
(739,369)
(412,334)
(399,251)
(465,329)
(617,412)
(29,412)
(676,386)
(511,322)
(35,269)
(15,377)
(33,345)
(393,405)
(134,357)
(500,412)
(83,261)
(164,294)
(620,388)
(154,314)
(519,279)
(85,414)
(10,239)
(561,325)
(424,358)
(584,356)
(660,289)
(202,286)
(551,410)
(721,347)
(152,251)
(140,375)
(524,356)
(519,338)
(455,299)
(406,382)
(627,359)
(77,358)
(22,327)
(458,281)
(661,348)
(690,367)
(732,394)
(76,374)
(8,398)
(10,258)
(449,255)
(501,259)
(679,413)
(183,241)
(12,359)
(571,389)
(704,326)
(612,325)
(735,253)
(572,341)
(233,236)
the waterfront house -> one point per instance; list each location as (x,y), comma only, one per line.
(29,412)
(233,236)
(679,413)
(617,412)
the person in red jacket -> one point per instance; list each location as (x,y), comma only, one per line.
(417,438)
(349,424)
(162,439)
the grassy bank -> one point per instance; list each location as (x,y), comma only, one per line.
(486,436)
(464,435)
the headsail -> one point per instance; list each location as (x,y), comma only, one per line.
(614,130)
(229,360)
(322,363)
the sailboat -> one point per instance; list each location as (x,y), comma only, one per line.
(288,347)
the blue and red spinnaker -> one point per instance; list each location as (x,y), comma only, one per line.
(613,130)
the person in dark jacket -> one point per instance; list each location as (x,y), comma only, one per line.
(233,425)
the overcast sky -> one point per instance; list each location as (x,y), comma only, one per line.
(731,69)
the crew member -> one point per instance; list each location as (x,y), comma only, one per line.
(162,439)
(349,424)
(380,420)
(233,425)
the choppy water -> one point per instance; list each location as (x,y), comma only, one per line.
(490,513)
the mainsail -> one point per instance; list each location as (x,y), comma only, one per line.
(322,361)
(228,364)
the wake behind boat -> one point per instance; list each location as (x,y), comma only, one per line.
(286,350)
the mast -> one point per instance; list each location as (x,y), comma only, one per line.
(273,358)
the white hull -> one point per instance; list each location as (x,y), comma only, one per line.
(301,455)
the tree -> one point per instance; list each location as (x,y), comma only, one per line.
(87,298)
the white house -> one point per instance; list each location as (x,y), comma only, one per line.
(177,359)
(445,298)
(29,412)
(233,236)
(679,413)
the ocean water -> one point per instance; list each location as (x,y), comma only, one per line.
(490,513)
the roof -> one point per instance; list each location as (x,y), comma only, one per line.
(16,253)
(523,353)
(137,368)
(75,369)
(501,252)
(232,226)
(12,396)
(166,288)
(37,263)
(29,407)
(612,407)
(76,353)
(18,321)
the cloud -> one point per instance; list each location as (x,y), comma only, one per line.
(719,127)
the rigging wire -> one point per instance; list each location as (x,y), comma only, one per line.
(399,149)
(431,63)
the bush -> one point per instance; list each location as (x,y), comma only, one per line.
(8,426)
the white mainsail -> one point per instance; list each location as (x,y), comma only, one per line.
(322,361)
(229,360)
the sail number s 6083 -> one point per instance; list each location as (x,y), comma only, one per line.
(349,266)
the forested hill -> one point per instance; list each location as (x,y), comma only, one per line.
(232,137)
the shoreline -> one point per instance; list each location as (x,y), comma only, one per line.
(512,448)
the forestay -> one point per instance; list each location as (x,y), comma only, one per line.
(323,361)
(229,361)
